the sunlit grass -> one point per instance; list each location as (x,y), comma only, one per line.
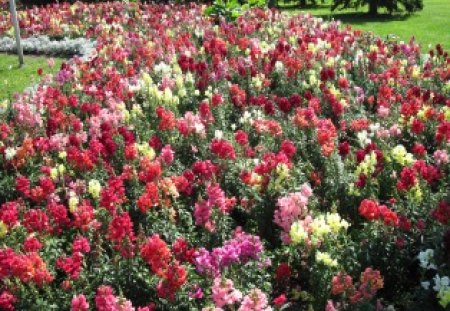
(15,79)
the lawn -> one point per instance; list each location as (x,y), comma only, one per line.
(15,79)
(430,26)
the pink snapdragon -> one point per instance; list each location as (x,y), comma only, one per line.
(224,293)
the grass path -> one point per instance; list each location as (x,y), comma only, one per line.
(14,79)
(429,26)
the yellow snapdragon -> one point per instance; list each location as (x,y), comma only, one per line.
(444,297)
(297,233)
(319,227)
(367,166)
(146,150)
(446,111)
(94,188)
(73,202)
(401,156)
(336,223)
(325,258)
(3,229)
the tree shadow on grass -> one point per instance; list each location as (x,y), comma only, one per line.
(362,18)
(294,6)
(357,17)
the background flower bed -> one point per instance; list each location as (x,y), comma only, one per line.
(269,163)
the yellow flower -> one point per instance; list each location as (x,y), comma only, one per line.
(319,227)
(336,223)
(94,188)
(297,233)
(325,258)
(401,156)
(418,194)
(3,229)
(61,169)
(62,155)
(282,170)
(367,166)
(444,297)
(3,106)
(446,111)
(73,202)
(54,173)
(146,150)
(415,72)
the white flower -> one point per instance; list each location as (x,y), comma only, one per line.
(425,285)
(441,283)
(218,134)
(363,138)
(425,257)
(279,67)
(10,153)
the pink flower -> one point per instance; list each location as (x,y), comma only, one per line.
(167,154)
(291,208)
(79,303)
(256,300)
(51,62)
(224,293)
(105,299)
(383,111)
(330,306)
(441,157)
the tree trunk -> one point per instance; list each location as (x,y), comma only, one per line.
(302,3)
(373,7)
(272,4)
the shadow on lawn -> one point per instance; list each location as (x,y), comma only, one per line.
(354,18)
(360,18)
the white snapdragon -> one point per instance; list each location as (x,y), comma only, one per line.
(10,153)
(441,283)
(425,257)
(218,134)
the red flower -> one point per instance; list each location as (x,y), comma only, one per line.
(81,244)
(120,232)
(241,137)
(31,244)
(288,148)
(408,179)
(9,213)
(36,220)
(149,198)
(7,301)
(23,185)
(344,149)
(280,300)
(181,251)
(369,209)
(283,272)
(442,213)
(223,149)
(156,253)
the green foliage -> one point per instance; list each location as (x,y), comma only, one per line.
(232,9)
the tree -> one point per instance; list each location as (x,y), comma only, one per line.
(391,5)
(15,22)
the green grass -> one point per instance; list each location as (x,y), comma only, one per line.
(14,79)
(429,26)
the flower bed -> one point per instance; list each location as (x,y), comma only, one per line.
(272,163)
(43,45)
